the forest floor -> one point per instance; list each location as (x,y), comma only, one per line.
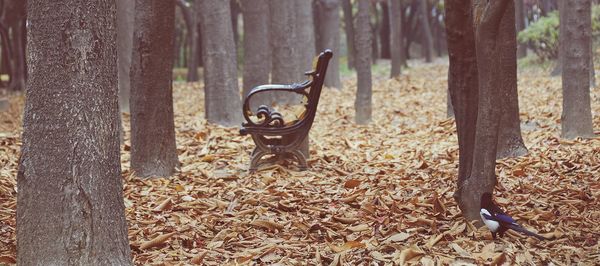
(374,194)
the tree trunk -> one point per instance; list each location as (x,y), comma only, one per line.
(70,207)
(256,44)
(363,36)
(510,141)
(234,5)
(153,149)
(488,47)
(349,28)
(125,20)
(190,16)
(384,31)
(520,24)
(329,28)
(575,31)
(306,35)
(283,35)
(397,40)
(425,31)
(374,24)
(222,96)
(462,83)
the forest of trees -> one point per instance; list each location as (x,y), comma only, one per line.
(87,67)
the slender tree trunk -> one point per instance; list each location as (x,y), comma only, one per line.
(349,28)
(510,141)
(256,44)
(375,25)
(397,40)
(425,30)
(363,36)
(190,16)
(222,96)
(153,149)
(125,20)
(70,207)
(575,31)
(235,12)
(329,17)
(462,83)
(306,34)
(520,24)
(384,31)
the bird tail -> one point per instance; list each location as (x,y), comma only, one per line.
(520,229)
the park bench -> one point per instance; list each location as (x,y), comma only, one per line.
(271,133)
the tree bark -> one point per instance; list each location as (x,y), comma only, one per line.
(306,35)
(349,28)
(222,96)
(153,149)
(483,177)
(362,104)
(70,207)
(397,40)
(257,61)
(384,31)
(462,83)
(575,31)
(329,28)
(426,31)
(520,19)
(125,20)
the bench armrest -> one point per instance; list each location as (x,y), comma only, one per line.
(263,111)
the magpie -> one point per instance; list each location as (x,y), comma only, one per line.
(498,221)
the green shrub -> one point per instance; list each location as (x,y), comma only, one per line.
(542,35)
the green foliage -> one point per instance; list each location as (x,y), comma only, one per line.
(542,35)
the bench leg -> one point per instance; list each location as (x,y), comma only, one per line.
(255,159)
(301,159)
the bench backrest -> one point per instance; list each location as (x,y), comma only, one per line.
(318,77)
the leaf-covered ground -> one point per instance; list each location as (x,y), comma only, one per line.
(378,194)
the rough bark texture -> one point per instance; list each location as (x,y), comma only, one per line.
(510,141)
(483,177)
(70,207)
(520,25)
(125,17)
(153,150)
(425,31)
(222,96)
(575,31)
(257,61)
(362,105)
(283,35)
(397,41)
(462,82)
(349,29)
(329,32)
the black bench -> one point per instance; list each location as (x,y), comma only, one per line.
(271,134)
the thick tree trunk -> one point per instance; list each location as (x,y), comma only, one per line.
(70,207)
(510,141)
(257,61)
(462,83)
(349,29)
(384,31)
(425,31)
(283,35)
(153,149)
(306,35)
(125,20)
(222,96)
(483,177)
(362,105)
(397,40)
(575,31)
(520,25)
(329,32)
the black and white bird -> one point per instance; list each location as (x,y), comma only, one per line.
(498,221)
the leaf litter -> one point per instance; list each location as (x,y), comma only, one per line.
(376,194)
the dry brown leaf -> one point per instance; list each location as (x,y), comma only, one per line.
(499,259)
(399,237)
(352,183)
(359,228)
(269,225)
(346,246)
(197,260)
(164,205)
(408,254)
(345,220)
(157,241)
